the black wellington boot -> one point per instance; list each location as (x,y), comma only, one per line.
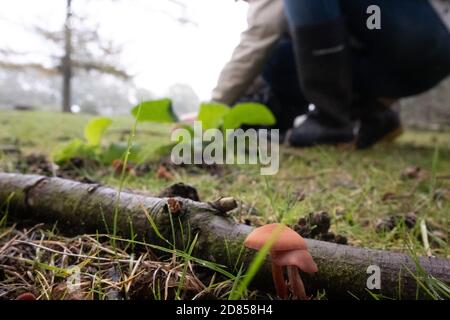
(324,69)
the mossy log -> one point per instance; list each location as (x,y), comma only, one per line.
(79,208)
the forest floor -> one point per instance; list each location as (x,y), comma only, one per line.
(374,198)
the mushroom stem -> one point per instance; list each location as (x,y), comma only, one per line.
(278,281)
(296,283)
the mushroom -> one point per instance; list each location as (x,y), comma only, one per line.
(288,250)
(27,296)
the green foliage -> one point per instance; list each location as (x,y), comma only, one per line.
(249,114)
(88,149)
(116,150)
(72,149)
(94,130)
(216,115)
(164,150)
(212,115)
(187,127)
(91,147)
(155,111)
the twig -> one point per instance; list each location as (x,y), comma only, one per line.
(68,254)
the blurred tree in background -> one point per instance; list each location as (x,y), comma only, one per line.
(77,50)
(79,69)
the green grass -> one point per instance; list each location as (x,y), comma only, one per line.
(355,188)
(351,186)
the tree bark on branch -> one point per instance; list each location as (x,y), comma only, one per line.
(87,208)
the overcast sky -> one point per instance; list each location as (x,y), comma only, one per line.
(158,49)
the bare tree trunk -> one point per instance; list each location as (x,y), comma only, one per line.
(67,60)
(86,208)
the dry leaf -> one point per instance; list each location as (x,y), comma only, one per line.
(163,173)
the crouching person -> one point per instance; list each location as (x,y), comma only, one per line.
(322,52)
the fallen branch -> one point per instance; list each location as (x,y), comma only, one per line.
(86,208)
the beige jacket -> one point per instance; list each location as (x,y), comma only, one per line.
(266,24)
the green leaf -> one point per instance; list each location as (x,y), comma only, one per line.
(249,114)
(117,150)
(212,115)
(164,150)
(72,149)
(94,130)
(188,127)
(155,111)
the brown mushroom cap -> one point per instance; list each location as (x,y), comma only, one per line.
(27,296)
(287,238)
(299,258)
